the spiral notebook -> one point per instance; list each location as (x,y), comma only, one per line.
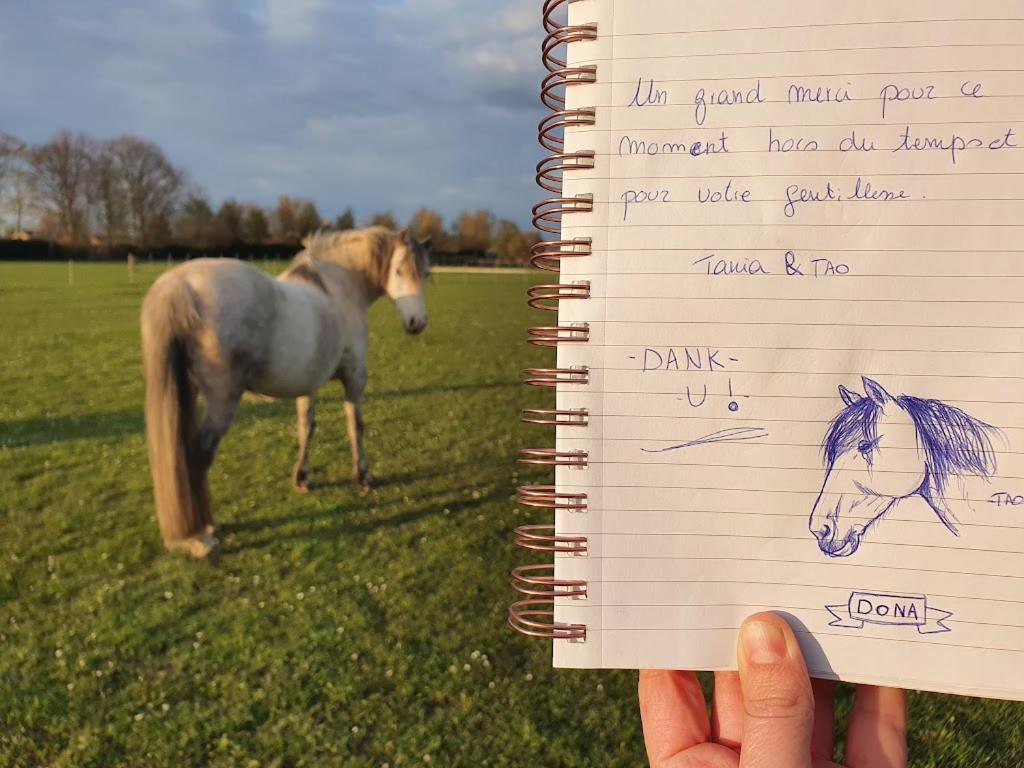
(787,249)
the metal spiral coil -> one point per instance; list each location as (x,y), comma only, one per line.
(535,615)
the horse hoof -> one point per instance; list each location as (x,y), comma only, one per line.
(365,482)
(300,480)
(200,547)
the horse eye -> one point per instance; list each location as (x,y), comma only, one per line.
(865,447)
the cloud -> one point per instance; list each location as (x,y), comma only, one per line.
(376,104)
(293,21)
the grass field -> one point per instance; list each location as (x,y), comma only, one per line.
(335,629)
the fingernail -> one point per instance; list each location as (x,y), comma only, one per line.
(763,642)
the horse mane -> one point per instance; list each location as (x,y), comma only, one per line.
(303,270)
(952,441)
(367,250)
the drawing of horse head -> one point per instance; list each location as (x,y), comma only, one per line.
(880,449)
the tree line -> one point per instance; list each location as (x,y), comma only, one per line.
(77,191)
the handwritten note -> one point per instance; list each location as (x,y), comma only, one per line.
(806,337)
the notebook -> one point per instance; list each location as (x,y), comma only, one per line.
(786,243)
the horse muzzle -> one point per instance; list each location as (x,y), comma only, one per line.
(844,547)
(415,325)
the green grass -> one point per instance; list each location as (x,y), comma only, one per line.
(335,629)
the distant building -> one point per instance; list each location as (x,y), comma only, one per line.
(20,234)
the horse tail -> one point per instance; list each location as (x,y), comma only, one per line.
(180,490)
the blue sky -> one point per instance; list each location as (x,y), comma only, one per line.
(374,104)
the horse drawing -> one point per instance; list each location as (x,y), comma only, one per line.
(880,449)
(215,328)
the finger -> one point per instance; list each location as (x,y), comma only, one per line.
(727,710)
(876,736)
(823,732)
(674,715)
(777,700)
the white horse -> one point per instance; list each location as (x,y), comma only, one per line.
(220,327)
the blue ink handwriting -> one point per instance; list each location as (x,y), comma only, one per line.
(731,435)
(641,197)
(727,194)
(889,609)
(724,97)
(655,97)
(891,94)
(628,145)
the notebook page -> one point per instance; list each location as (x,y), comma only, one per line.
(806,346)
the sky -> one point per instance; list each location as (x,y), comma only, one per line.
(373,104)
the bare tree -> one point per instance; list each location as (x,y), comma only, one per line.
(21,195)
(10,150)
(107,195)
(508,242)
(61,168)
(228,223)
(152,186)
(17,181)
(427,223)
(194,225)
(473,230)
(308,219)
(284,224)
(346,220)
(385,219)
(255,227)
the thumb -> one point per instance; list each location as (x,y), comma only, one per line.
(778,704)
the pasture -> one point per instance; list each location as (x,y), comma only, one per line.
(334,629)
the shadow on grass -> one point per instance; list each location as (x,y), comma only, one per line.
(22,433)
(311,531)
(439,389)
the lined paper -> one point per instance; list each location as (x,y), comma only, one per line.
(789,199)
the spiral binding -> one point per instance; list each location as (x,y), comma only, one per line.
(534,615)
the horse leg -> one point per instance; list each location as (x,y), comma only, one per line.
(355,383)
(221,403)
(305,411)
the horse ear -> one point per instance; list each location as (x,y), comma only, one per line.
(875,391)
(403,235)
(849,396)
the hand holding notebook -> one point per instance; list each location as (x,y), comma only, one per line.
(771,713)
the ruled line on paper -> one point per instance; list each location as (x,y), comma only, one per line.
(865,348)
(772,606)
(773,467)
(816,633)
(788,561)
(725,419)
(851,278)
(792,491)
(617,510)
(829,299)
(774,372)
(675,393)
(789,76)
(816,325)
(797,51)
(829,25)
(819,585)
(817,446)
